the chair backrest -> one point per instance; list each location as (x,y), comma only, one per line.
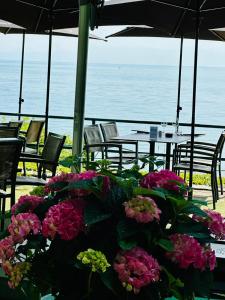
(219,146)
(8,132)
(92,135)
(109,130)
(217,151)
(34,131)
(17,124)
(52,149)
(10,149)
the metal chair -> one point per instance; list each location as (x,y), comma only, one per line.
(213,147)
(206,160)
(110,131)
(95,146)
(10,150)
(47,161)
(32,136)
(17,124)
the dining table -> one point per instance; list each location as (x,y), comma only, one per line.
(169,140)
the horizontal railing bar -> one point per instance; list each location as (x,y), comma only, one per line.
(216,126)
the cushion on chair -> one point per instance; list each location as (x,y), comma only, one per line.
(196,167)
(28,180)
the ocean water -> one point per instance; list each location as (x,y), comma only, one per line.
(136,92)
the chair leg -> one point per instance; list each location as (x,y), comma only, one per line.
(13,195)
(221,180)
(24,169)
(3,213)
(216,186)
(213,187)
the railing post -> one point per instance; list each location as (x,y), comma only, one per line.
(48,78)
(21,100)
(197,23)
(82,56)
(179,108)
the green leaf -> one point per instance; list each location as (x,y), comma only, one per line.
(94,214)
(178,202)
(195,210)
(126,228)
(81,184)
(199,202)
(127,244)
(166,245)
(147,192)
(110,280)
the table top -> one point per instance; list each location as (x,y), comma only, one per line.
(145,137)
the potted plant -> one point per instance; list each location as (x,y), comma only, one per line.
(114,236)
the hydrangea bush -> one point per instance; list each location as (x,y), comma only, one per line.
(100,235)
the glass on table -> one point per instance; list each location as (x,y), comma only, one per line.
(175,127)
(163,125)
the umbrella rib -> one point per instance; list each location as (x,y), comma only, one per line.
(203,3)
(33,5)
(177,26)
(72,10)
(173,5)
(217,35)
(213,9)
(127,29)
(39,18)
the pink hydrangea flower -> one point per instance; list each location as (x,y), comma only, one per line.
(65,219)
(210,258)
(63,177)
(215,222)
(136,268)
(7,250)
(164,179)
(69,178)
(22,225)
(187,251)
(28,202)
(142,209)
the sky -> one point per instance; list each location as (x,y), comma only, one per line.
(149,51)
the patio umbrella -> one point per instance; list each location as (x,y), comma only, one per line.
(146,31)
(10,28)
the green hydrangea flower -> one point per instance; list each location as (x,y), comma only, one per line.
(95,259)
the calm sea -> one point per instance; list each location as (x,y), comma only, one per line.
(137,92)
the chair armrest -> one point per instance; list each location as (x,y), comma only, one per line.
(203,143)
(23,131)
(107,145)
(123,142)
(24,154)
(37,160)
(196,147)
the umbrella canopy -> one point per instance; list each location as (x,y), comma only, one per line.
(146,31)
(38,16)
(173,16)
(7,27)
(11,28)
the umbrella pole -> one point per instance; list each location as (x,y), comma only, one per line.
(194,99)
(21,100)
(179,108)
(48,82)
(82,56)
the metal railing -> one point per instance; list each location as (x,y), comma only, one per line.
(124,121)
